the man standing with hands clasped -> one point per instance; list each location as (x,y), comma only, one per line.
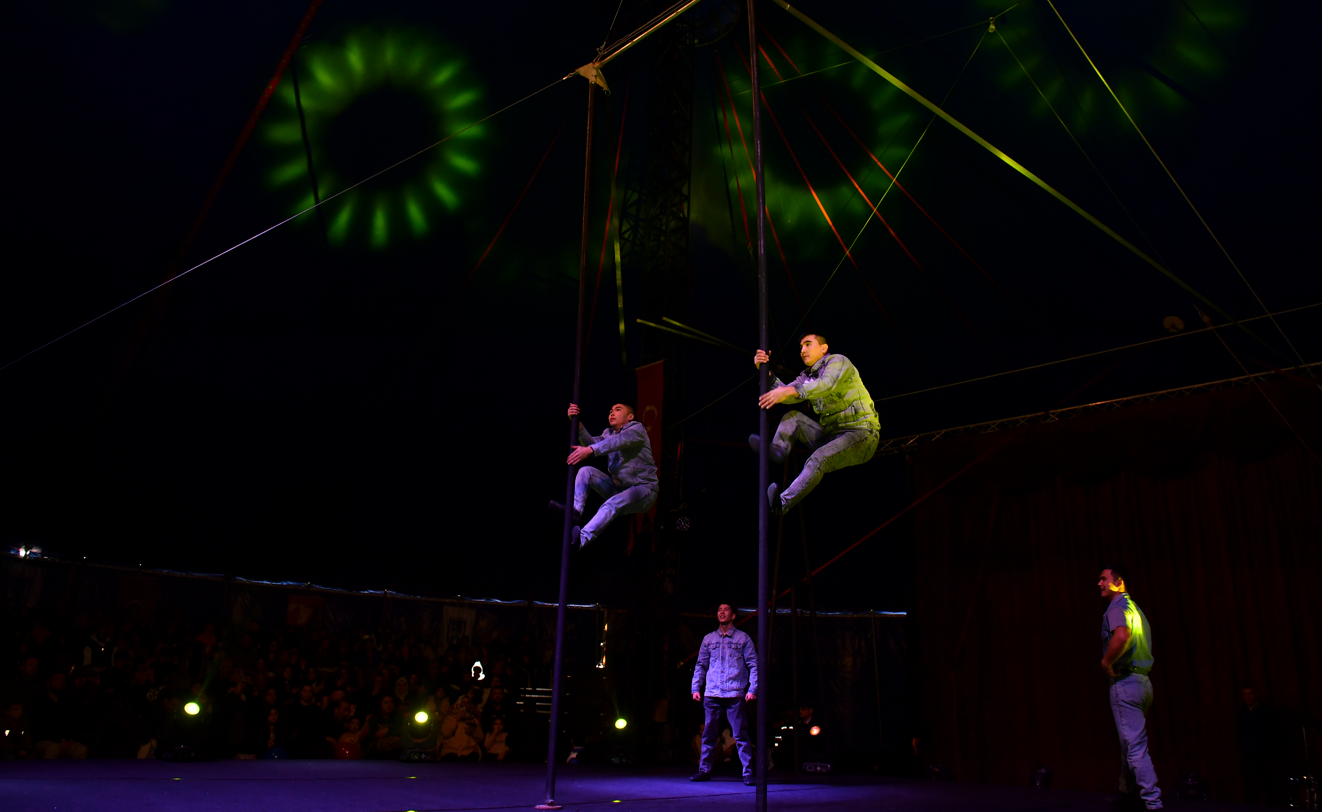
(1127,661)
(727,666)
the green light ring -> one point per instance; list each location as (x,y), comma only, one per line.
(331,78)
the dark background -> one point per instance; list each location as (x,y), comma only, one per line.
(346,415)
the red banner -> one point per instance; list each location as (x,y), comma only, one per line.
(649,411)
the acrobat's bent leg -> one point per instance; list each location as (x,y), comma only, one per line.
(794,427)
(846,448)
(594,478)
(637,499)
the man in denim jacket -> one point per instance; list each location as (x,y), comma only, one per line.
(724,680)
(629,482)
(849,429)
(1127,661)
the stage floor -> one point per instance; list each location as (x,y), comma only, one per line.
(376,786)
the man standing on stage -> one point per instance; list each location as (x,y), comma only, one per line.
(724,680)
(849,429)
(630,483)
(1127,661)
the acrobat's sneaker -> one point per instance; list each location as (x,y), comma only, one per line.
(700,776)
(773,499)
(575,539)
(755,443)
(557,507)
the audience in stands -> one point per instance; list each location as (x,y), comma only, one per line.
(77,689)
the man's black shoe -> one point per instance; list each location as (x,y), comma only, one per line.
(749,781)
(755,443)
(575,539)
(773,499)
(700,776)
(559,508)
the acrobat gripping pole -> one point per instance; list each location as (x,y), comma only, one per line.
(762,754)
(558,671)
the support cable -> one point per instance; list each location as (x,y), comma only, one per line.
(826,216)
(770,223)
(895,179)
(1082,151)
(1084,355)
(803,74)
(463,286)
(813,124)
(610,207)
(1178,187)
(1018,167)
(291,218)
(883,168)
(1207,320)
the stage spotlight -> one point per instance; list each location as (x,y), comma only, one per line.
(421,717)
(814,731)
(192,709)
(621,724)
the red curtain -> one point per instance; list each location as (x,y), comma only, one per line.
(1214,505)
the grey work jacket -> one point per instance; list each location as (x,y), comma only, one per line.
(837,394)
(628,453)
(728,665)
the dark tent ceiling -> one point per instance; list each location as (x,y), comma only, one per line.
(336,390)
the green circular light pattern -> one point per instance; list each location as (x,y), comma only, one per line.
(410,200)
(421,717)
(621,724)
(192,709)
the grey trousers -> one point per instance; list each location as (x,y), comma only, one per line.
(830,452)
(1131,699)
(736,711)
(635,499)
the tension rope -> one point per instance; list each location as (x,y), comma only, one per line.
(827,217)
(1091,355)
(747,154)
(1018,167)
(291,218)
(610,207)
(940,289)
(1176,183)
(894,182)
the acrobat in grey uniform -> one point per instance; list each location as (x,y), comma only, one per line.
(846,436)
(629,483)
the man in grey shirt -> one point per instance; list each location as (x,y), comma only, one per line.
(724,680)
(629,483)
(1127,661)
(849,429)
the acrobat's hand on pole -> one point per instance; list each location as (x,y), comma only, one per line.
(761,357)
(573,409)
(580,453)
